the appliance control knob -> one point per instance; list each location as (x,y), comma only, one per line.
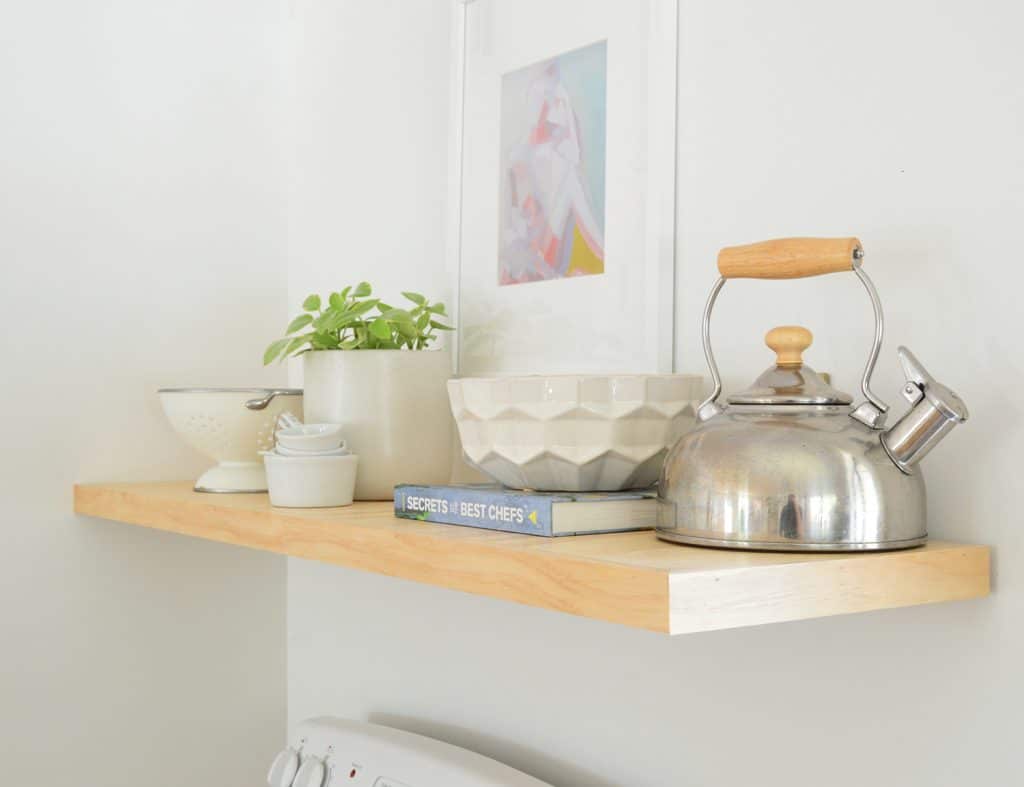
(283,769)
(311,773)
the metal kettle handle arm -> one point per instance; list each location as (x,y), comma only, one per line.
(710,407)
(871,412)
(865,381)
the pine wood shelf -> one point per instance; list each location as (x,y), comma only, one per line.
(627,578)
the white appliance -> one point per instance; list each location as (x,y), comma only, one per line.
(329,752)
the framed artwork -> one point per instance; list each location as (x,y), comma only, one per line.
(562,184)
(552,168)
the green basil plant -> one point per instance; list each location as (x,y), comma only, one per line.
(352,320)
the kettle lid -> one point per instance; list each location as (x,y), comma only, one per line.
(790,380)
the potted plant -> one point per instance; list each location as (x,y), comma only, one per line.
(370,367)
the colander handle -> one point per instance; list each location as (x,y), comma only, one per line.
(794,258)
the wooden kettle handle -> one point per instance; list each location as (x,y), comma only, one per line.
(788,258)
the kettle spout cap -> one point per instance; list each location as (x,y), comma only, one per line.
(941,397)
(934,411)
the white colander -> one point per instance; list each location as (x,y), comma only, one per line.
(218,423)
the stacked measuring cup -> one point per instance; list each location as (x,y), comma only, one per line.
(310,466)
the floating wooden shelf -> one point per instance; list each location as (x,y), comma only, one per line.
(628,578)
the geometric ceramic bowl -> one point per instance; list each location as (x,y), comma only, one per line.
(576,433)
(216,422)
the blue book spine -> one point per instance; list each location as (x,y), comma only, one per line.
(512,512)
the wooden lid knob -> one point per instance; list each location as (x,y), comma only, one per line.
(789,343)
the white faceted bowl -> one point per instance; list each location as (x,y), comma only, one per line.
(216,422)
(574,433)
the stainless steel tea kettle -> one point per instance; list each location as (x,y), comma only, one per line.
(790,464)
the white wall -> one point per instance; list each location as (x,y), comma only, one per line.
(896,121)
(367,166)
(142,244)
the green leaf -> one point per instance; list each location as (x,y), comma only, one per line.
(437,308)
(312,303)
(337,301)
(363,306)
(295,343)
(383,307)
(334,320)
(407,329)
(380,328)
(323,341)
(415,297)
(397,315)
(362,289)
(440,326)
(274,350)
(422,322)
(322,323)
(299,322)
(325,322)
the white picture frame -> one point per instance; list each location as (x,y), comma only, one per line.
(525,333)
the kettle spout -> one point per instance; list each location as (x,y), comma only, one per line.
(934,411)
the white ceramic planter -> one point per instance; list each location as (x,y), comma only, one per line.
(393,407)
